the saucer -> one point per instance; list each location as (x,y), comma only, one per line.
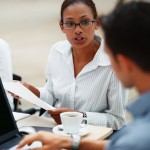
(59,130)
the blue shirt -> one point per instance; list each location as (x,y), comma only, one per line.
(136,135)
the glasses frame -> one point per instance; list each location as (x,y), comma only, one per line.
(78,24)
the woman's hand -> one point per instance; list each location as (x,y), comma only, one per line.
(55,114)
(13,94)
(49,141)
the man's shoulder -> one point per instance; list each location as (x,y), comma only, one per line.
(4,47)
(134,136)
(3,43)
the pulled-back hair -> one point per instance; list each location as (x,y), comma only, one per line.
(127,32)
(67,3)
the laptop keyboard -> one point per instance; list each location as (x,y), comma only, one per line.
(10,143)
(35,144)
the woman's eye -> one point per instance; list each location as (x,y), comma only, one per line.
(70,24)
(85,22)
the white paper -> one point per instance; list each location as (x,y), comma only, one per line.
(18,89)
(19,116)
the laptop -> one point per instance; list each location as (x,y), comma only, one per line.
(9,133)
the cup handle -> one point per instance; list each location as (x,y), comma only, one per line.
(84,122)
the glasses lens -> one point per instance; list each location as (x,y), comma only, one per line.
(69,25)
(82,24)
(86,24)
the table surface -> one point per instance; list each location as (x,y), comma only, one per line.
(96,132)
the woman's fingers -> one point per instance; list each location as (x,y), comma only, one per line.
(14,95)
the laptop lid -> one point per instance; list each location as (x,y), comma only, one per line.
(9,134)
(8,127)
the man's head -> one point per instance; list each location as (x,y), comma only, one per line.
(127,38)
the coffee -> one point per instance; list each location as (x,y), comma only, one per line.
(70,115)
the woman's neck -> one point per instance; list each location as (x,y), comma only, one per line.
(86,53)
(82,57)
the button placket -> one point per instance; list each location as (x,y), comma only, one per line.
(72,94)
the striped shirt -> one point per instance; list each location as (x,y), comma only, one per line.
(95,90)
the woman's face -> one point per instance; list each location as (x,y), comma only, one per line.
(79,37)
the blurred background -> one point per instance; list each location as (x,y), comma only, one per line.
(31,27)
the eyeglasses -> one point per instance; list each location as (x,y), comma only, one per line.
(83,24)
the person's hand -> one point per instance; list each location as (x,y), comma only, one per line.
(13,94)
(55,114)
(48,140)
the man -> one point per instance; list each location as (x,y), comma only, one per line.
(6,67)
(127,31)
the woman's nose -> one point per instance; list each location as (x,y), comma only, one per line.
(78,29)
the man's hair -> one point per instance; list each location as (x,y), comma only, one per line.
(127,32)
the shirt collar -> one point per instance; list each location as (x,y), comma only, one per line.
(100,58)
(141,106)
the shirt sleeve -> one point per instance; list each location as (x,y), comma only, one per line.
(46,92)
(114,144)
(6,67)
(121,147)
(114,115)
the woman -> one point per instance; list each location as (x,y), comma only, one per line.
(79,74)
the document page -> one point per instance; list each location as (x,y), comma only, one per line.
(19,116)
(20,90)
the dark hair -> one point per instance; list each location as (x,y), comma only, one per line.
(67,3)
(127,32)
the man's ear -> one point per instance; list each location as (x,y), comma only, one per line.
(61,27)
(125,63)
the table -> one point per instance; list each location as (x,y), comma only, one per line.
(96,132)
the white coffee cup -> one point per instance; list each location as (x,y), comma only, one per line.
(71,122)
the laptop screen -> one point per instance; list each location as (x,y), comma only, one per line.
(8,128)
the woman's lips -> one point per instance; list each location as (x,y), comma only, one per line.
(79,39)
